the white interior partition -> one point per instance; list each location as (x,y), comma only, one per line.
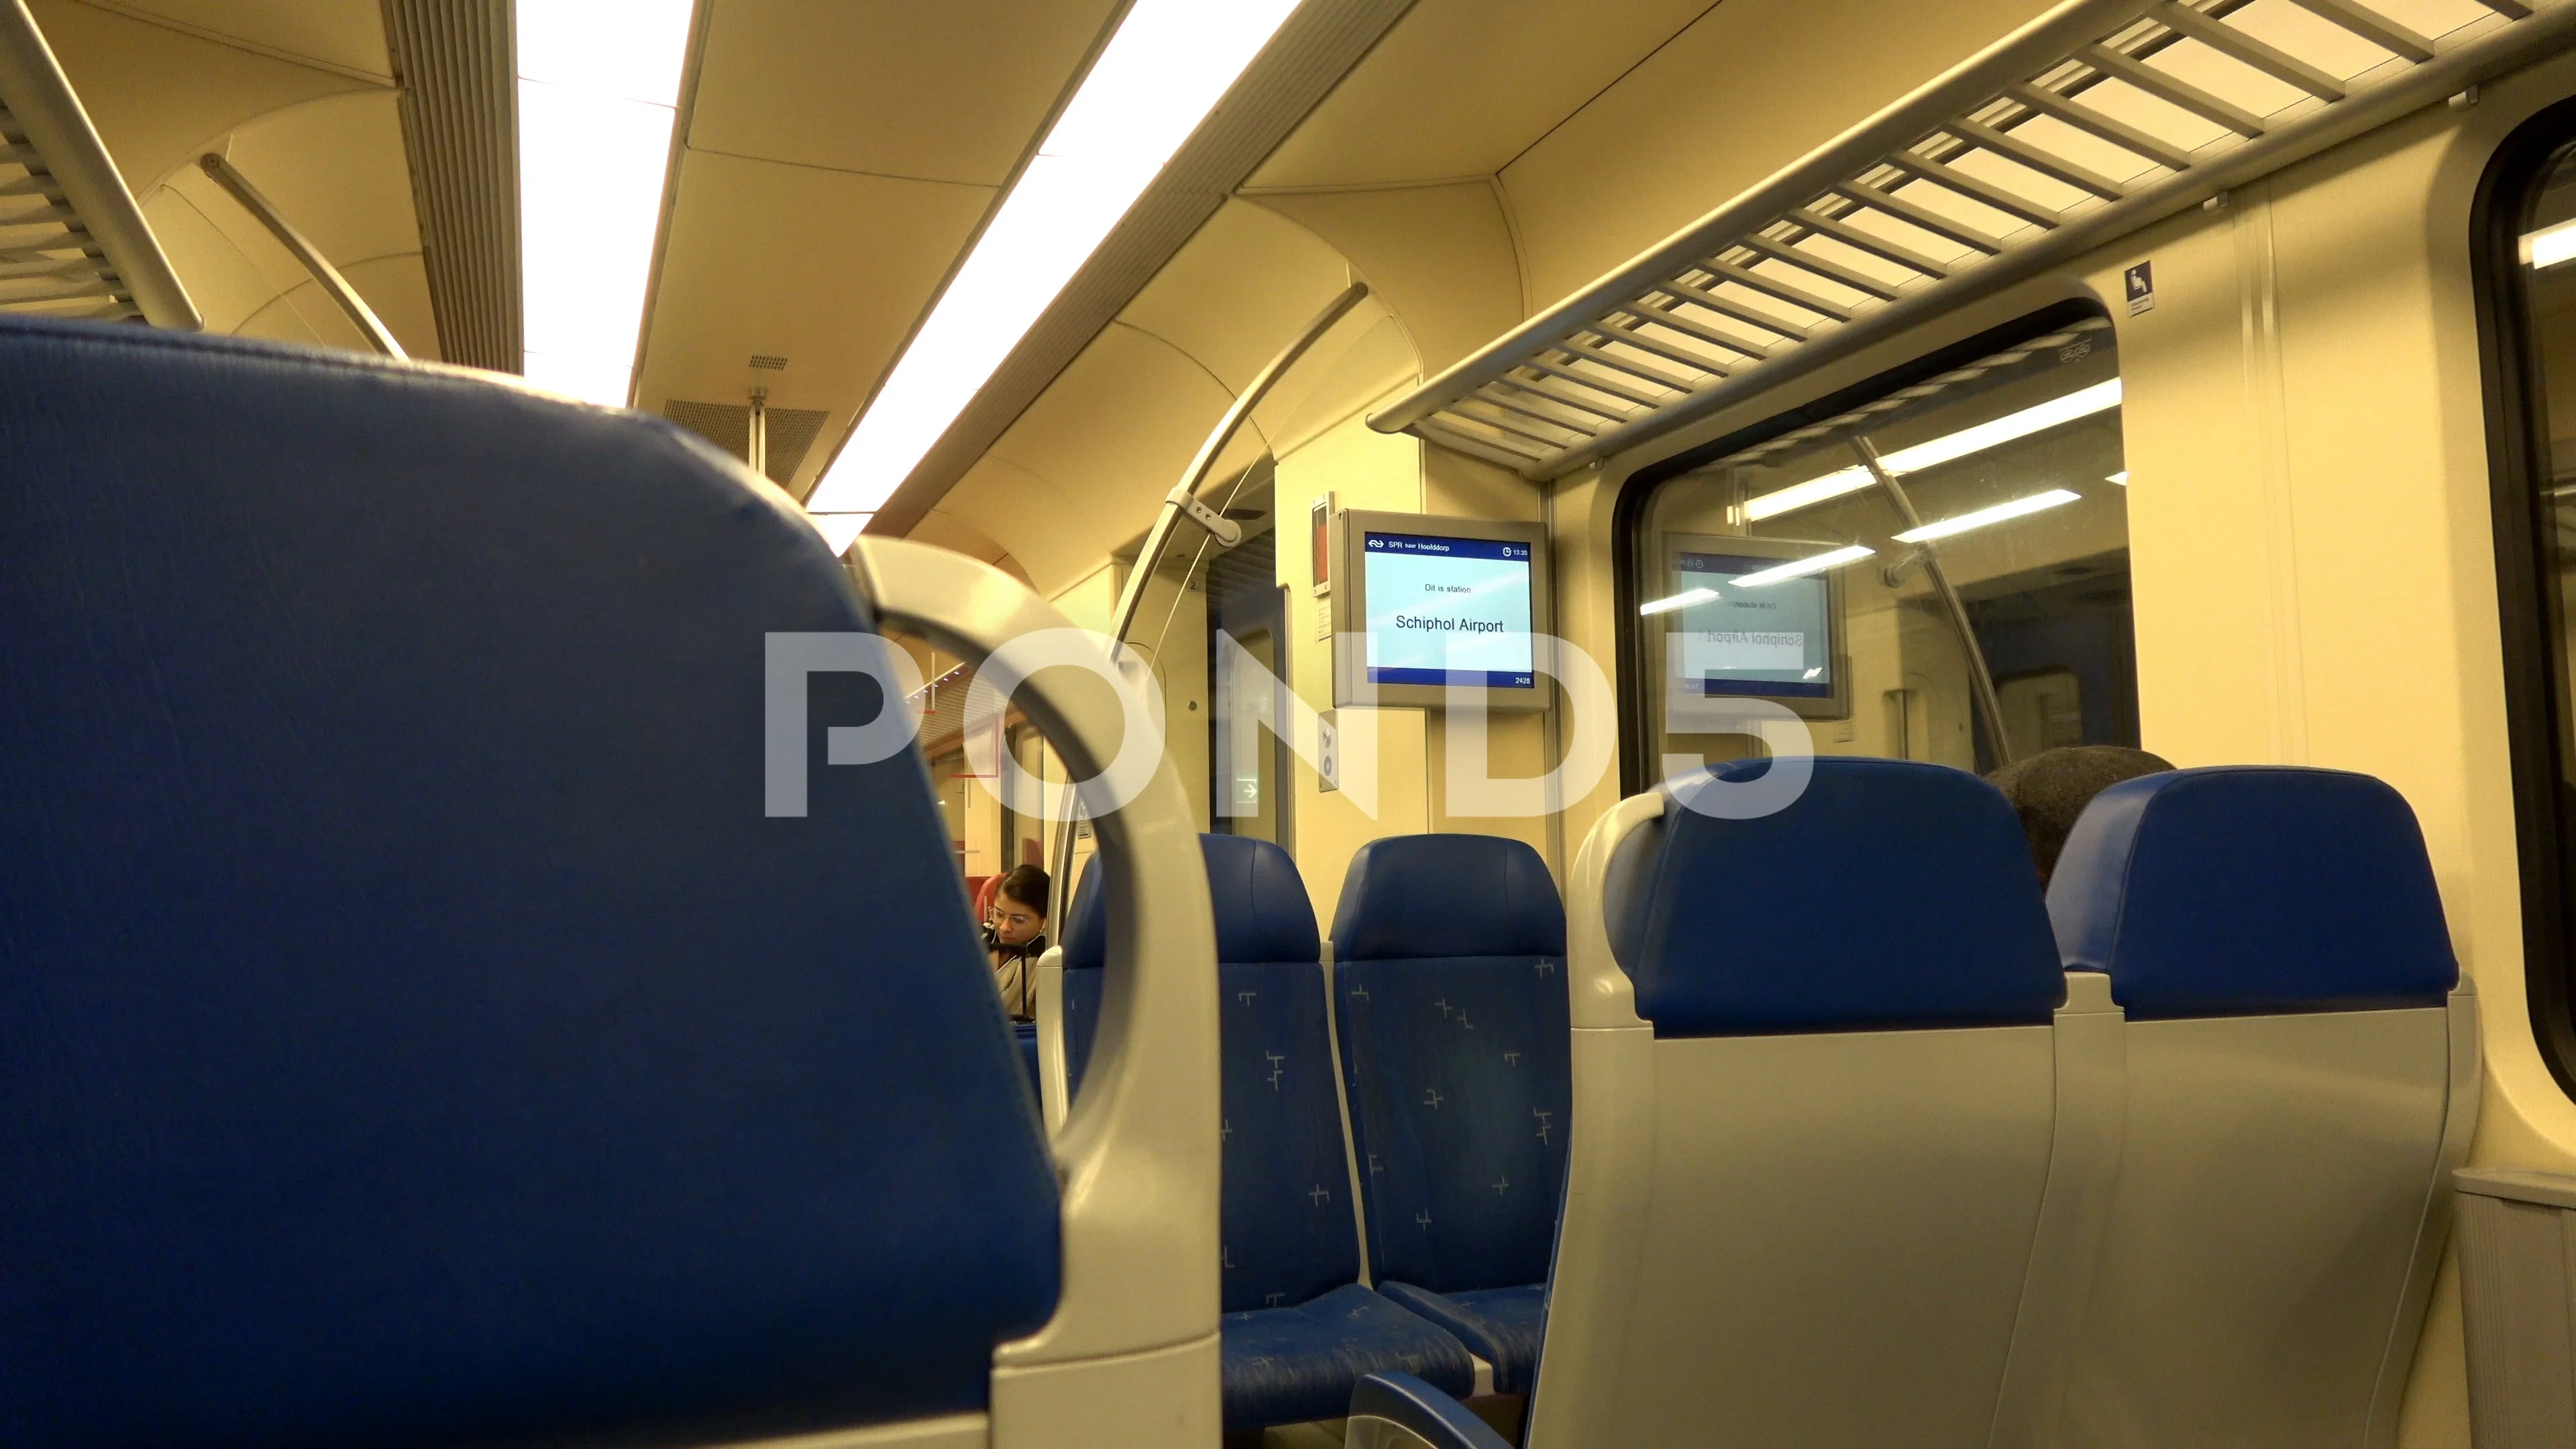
(1130,1357)
(2279,1216)
(1815,1239)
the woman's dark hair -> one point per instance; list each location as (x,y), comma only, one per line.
(1028,885)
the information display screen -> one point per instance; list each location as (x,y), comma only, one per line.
(1447,611)
(1773,639)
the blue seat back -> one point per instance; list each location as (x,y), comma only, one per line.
(2243,890)
(411,1030)
(1890,894)
(1448,967)
(1086,953)
(1287,1225)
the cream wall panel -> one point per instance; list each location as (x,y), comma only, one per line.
(943,529)
(1112,435)
(347,34)
(1580,536)
(1518,746)
(335,168)
(1460,87)
(1750,87)
(947,92)
(843,264)
(1362,469)
(1245,283)
(840,153)
(2378,587)
(1440,257)
(158,95)
(1091,600)
(291,317)
(1047,530)
(396,289)
(2200,561)
(226,284)
(1379,363)
(1171,637)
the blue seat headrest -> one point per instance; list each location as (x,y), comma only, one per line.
(2248,889)
(1411,897)
(1262,910)
(411,1027)
(1889,894)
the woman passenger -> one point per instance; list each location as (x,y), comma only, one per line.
(1016,937)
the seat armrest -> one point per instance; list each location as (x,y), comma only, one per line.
(1398,1411)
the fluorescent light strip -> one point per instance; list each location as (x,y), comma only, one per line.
(1158,78)
(597,94)
(1682,600)
(1807,494)
(1800,568)
(2550,245)
(2082,403)
(839,530)
(2017,508)
(2121,478)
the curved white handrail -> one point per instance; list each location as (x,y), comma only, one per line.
(1138,1154)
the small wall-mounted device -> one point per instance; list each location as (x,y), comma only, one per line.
(1424,606)
(1319,557)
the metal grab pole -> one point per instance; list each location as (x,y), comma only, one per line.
(1183,499)
(332,283)
(1981,680)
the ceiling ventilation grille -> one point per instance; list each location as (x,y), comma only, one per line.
(728,425)
(459,104)
(2096,118)
(72,241)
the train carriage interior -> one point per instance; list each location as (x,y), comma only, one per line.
(1413,724)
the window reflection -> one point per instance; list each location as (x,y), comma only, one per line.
(1941,574)
(2548,250)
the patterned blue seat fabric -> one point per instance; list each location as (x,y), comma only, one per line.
(1300,1332)
(1024,1040)
(411,1030)
(2320,877)
(1449,964)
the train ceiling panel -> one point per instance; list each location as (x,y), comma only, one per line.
(2095,118)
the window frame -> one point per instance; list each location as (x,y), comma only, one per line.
(1638,751)
(2535,700)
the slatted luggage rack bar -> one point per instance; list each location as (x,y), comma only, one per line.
(72,241)
(2098,117)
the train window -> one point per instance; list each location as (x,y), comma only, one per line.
(1937,570)
(2526,225)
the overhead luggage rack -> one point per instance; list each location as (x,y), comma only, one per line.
(2098,117)
(72,241)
